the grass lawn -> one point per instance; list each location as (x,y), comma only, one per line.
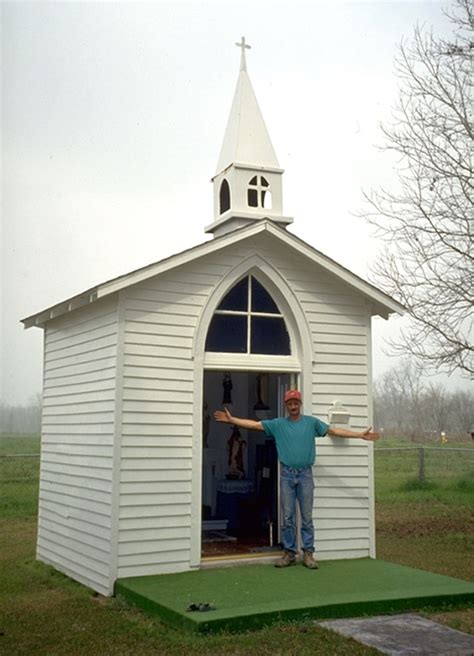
(19,475)
(429,526)
(44,612)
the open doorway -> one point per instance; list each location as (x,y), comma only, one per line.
(240,495)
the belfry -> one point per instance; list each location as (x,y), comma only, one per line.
(248,179)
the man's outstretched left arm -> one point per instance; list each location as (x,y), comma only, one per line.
(368,434)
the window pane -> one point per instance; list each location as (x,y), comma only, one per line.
(267,200)
(252,198)
(264,182)
(237,298)
(261,299)
(253,181)
(227,334)
(224,197)
(269,336)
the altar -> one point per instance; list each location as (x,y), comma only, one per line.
(233,498)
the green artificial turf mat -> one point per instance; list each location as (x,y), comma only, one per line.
(251,596)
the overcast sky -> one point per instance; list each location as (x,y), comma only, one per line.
(113,116)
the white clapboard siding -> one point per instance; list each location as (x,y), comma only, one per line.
(157,416)
(341,523)
(142,394)
(170,551)
(155,475)
(138,489)
(157,410)
(101,379)
(54,476)
(165,498)
(158,464)
(72,564)
(179,562)
(73,523)
(338,492)
(344,459)
(136,458)
(90,371)
(67,398)
(348,516)
(67,469)
(149,540)
(145,512)
(155,377)
(72,501)
(75,498)
(132,430)
(329,553)
(357,501)
(349,542)
(59,352)
(338,321)
(132,525)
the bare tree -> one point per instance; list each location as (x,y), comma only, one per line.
(438,405)
(21,419)
(398,399)
(428,222)
(463,411)
(404,405)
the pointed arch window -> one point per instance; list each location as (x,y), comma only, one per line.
(224,197)
(248,320)
(258,193)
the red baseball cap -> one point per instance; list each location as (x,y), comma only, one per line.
(292,394)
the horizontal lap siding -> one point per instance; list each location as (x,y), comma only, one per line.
(157,417)
(161,316)
(340,371)
(338,319)
(75,504)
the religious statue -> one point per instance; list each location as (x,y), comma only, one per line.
(227,385)
(236,445)
(262,392)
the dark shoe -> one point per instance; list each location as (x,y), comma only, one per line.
(287,559)
(200,607)
(308,560)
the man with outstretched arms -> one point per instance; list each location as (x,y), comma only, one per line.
(294,437)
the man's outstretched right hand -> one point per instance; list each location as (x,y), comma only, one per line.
(223,416)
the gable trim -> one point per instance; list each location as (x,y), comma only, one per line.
(383,303)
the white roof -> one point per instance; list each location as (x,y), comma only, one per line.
(383,304)
(246,138)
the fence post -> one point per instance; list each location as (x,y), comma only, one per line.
(421,466)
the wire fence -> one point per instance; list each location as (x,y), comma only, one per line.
(19,484)
(420,467)
(396,469)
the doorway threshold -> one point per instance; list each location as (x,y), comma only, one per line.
(210,562)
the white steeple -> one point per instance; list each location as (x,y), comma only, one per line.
(247,183)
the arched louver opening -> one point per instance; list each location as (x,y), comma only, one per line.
(258,193)
(224,197)
(248,321)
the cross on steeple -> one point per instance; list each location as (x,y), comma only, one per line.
(244,46)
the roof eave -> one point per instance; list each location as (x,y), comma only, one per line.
(381,299)
(383,304)
(73,303)
(116,284)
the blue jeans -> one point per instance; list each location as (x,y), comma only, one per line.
(297,484)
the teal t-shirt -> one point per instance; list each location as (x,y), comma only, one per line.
(295,439)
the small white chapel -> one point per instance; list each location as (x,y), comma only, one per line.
(136,477)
